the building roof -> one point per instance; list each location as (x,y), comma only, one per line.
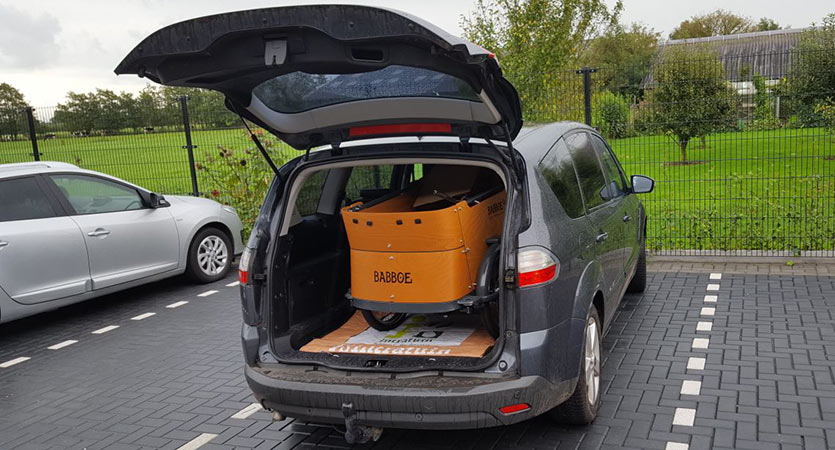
(766,53)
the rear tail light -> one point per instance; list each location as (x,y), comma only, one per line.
(536,266)
(402,128)
(243,266)
(513,409)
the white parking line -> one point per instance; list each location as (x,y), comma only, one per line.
(12,362)
(207,293)
(691,387)
(708,311)
(105,329)
(684,417)
(704,326)
(143,316)
(176,305)
(715,276)
(248,411)
(700,343)
(696,363)
(712,287)
(61,345)
(233,284)
(677,446)
(711,298)
(198,442)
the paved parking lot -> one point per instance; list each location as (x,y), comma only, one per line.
(702,360)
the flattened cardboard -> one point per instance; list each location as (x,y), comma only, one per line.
(413,337)
(450,181)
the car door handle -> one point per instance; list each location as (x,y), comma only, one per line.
(601,237)
(627,218)
(98,232)
(3,244)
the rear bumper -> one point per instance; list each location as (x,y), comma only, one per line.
(429,402)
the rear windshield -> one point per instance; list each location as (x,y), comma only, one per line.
(298,91)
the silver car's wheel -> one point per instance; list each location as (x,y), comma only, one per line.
(209,255)
(592,361)
(212,255)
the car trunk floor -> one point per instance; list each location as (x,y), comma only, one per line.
(457,335)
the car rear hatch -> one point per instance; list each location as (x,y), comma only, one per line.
(325,74)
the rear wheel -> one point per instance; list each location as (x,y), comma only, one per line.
(209,256)
(581,408)
(639,280)
(383,321)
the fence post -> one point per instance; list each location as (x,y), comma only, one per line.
(189,146)
(33,137)
(586,72)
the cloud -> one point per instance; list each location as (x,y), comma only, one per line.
(27,41)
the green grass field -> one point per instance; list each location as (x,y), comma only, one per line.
(761,190)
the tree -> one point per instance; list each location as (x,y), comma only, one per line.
(812,76)
(624,55)
(102,110)
(716,23)
(535,39)
(691,95)
(766,24)
(206,107)
(12,104)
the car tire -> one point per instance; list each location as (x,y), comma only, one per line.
(383,321)
(581,408)
(639,280)
(209,256)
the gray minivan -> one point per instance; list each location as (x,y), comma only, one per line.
(377,100)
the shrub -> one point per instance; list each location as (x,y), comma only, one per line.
(240,178)
(826,111)
(764,118)
(812,75)
(610,114)
(644,119)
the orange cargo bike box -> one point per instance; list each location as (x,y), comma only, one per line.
(419,250)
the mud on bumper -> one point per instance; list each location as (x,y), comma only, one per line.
(431,402)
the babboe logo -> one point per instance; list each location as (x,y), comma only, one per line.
(385,276)
(495,208)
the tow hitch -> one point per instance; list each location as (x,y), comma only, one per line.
(354,432)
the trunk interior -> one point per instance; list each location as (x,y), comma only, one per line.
(313,318)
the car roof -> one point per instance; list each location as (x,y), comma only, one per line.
(28,168)
(533,142)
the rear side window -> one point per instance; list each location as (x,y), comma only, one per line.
(617,184)
(558,170)
(592,182)
(311,191)
(299,91)
(23,199)
(369,182)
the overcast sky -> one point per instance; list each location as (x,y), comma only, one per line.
(49,47)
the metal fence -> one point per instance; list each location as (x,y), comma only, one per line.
(741,146)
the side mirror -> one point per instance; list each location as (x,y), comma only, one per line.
(642,184)
(157,201)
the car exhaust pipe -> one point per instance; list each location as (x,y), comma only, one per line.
(356,433)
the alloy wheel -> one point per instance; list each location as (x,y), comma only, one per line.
(212,255)
(592,361)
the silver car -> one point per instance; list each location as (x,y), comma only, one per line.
(69,234)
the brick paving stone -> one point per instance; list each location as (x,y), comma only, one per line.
(767,380)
